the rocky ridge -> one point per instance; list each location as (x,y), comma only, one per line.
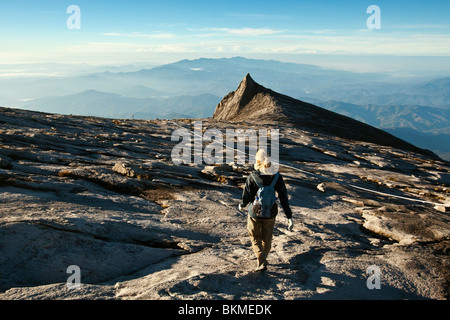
(104,195)
(252,101)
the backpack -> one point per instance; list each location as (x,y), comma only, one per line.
(264,206)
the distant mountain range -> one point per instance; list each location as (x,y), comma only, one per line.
(193,88)
(425,127)
(112,105)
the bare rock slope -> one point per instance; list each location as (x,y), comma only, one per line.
(105,195)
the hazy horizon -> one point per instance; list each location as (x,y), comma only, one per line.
(398,66)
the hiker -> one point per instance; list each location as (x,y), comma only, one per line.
(260,228)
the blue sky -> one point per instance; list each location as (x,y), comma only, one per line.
(155,31)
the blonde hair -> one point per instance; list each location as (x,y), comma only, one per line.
(263,163)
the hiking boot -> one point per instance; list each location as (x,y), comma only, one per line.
(262,267)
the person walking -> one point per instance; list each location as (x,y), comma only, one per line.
(260,224)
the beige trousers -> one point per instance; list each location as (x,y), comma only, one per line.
(261,232)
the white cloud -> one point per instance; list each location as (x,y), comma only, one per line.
(116,46)
(260,16)
(250,32)
(363,41)
(241,32)
(421,26)
(141,35)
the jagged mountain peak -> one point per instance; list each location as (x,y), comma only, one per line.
(248,82)
(250,100)
(246,90)
(253,102)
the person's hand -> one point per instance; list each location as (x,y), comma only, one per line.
(290,224)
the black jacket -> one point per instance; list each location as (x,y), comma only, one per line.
(251,188)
